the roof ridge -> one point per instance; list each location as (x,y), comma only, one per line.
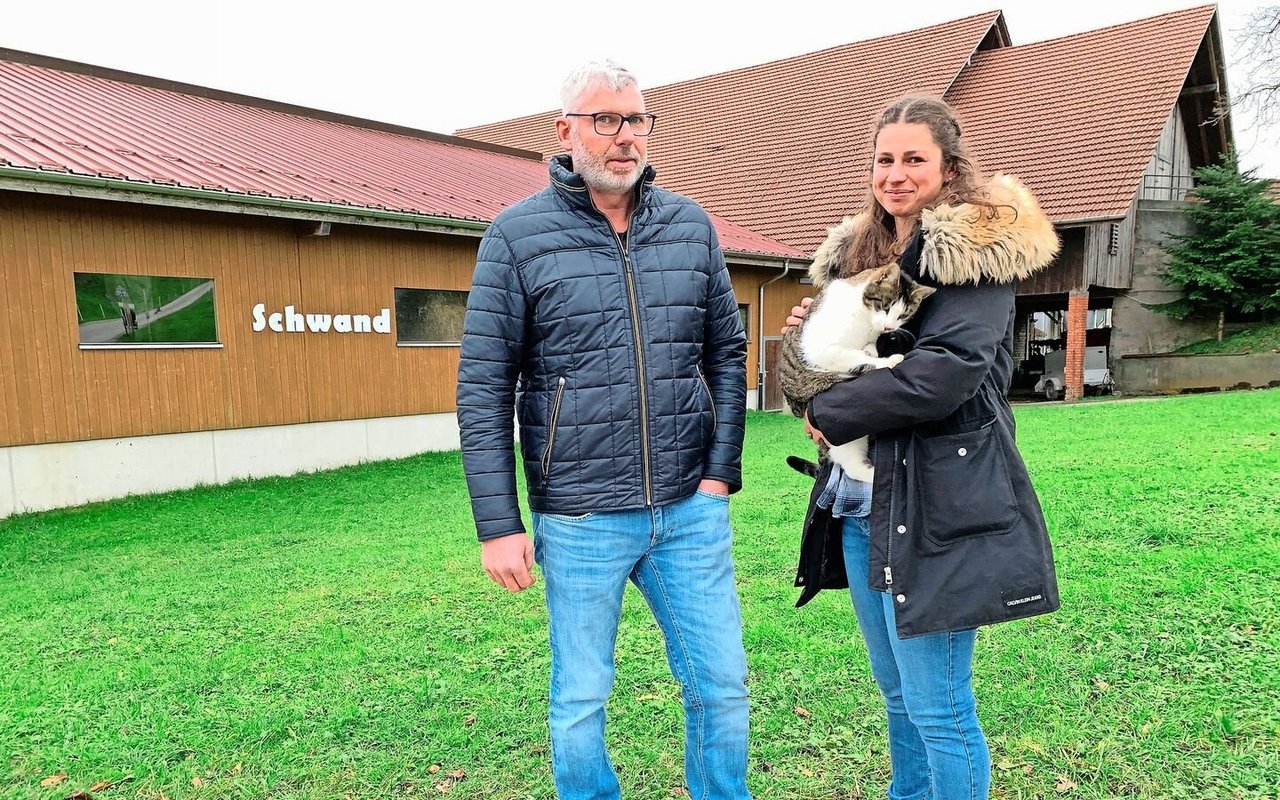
(114,75)
(856,42)
(968,60)
(1106,28)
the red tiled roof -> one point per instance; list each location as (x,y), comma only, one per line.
(1077,118)
(783,147)
(67,121)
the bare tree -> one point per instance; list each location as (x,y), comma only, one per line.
(1259,43)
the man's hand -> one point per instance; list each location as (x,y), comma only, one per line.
(508,560)
(713,486)
(797,314)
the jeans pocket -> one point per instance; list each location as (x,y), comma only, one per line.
(568,518)
(719,498)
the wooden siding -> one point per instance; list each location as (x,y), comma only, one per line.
(53,391)
(1065,273)
(1102,267)
(779,297)
(1169,172)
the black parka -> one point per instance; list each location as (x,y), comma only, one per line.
(957,534)
(622,357)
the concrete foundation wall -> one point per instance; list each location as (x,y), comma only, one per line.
(1167,374)
(1137,329)
(45,476)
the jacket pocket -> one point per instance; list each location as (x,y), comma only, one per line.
(963,485)
(711,400)
(552,422)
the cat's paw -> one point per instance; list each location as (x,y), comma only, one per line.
(889,362)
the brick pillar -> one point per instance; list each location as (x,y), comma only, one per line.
(1077,320)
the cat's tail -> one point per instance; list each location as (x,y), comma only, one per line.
(803,466)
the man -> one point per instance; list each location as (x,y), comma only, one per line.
(604,305)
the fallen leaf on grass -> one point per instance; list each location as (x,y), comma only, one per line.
(802,712)
(1066,784)
(433,769)
(79,794)
(197,781)
(457,774)
(54,780)
(469,721)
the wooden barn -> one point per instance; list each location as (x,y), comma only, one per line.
(203,286)
(1106,127)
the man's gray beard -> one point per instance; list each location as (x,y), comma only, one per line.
(598,176)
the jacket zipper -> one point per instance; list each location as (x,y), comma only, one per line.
(715,421)
(893,496)
(551,424)
(623,248)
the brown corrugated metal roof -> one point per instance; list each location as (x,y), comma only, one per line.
(1077,118)
(783,147)
(85,124)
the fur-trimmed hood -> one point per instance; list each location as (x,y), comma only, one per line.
(962,244)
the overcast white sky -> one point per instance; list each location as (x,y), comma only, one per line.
(443,65)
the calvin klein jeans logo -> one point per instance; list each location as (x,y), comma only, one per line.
(1022,595)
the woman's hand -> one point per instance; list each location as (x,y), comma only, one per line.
(812,432)
(797,314)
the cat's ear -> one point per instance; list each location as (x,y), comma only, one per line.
(919,292)
(884,276)
(830,262)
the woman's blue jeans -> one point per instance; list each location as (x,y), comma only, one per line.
(936,747)
(680,557)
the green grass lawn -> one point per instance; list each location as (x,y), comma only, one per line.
(332,635)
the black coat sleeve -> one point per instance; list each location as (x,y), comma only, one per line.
(961,330)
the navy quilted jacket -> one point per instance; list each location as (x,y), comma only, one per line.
(622,357)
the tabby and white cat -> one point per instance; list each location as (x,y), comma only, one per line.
(837,341)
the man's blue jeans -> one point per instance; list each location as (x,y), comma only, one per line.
(680,557)
(936,746)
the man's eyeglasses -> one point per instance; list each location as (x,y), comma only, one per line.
(608,124)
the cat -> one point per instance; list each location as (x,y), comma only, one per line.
(837,341)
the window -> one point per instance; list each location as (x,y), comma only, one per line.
(429,316)
(145,311)
(744,311)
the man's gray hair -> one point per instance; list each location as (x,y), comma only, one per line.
(591,75)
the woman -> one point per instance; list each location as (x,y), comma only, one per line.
(950,535)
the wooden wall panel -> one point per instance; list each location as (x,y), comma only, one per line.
(54,391)
(779,296)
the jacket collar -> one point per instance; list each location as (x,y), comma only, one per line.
(963,243)
(573,188)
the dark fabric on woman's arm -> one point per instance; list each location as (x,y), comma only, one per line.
(961,329)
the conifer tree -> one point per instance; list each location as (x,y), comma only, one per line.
(1231,259)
